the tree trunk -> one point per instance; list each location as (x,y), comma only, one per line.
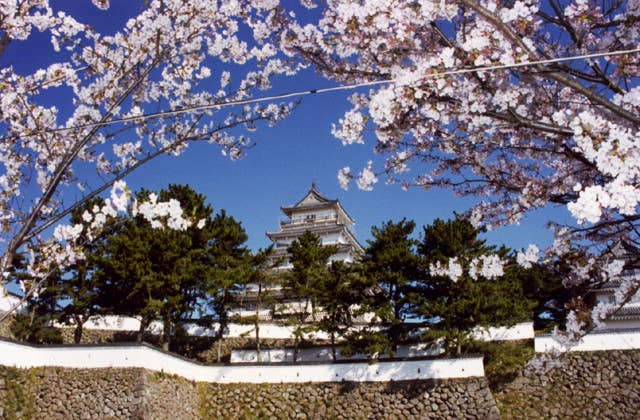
(141,330)
(221,326)
(333,345)
(257,323)
(297,337)
(219,347)
(77,334)
(166,333)
(257,328)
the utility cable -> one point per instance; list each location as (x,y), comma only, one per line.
(400,81)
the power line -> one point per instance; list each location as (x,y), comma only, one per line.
(199,108)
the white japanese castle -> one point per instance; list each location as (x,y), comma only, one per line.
(321,216)
(314,213)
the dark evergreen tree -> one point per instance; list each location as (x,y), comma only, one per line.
(79,287)
(454,308)
(258,293)
(35,323)
(157,273)
(229,267)
(303,284)
(338,294)
(393,267)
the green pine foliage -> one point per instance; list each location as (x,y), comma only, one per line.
(157,273)
(453,308)
(79,287)
(304,283)
(229,266)
(339,297)
(391,263)
(35,324)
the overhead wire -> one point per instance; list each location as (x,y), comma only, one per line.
(200,108)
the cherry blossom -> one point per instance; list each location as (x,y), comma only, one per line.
(487,266)
(520,139)
(169,58)
(528,257)
(453,269)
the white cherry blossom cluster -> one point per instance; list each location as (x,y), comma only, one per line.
(351,128)
(161,213)
(452,270)
(168,57)
(367,178)
(65,247)
(520,140)
(528,257)
(487,266)
(344,177)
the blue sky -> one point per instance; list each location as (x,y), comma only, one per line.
(286,159)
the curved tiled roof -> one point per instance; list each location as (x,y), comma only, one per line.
(627,312)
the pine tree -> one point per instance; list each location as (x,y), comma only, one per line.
(338,294)
(393,267)
(259,288)
(230,266)
(79,287)
(153,273)
(453,308)
(302,284)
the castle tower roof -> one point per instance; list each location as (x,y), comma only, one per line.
(315,200)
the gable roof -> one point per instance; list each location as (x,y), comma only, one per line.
(314,199)
(311,199)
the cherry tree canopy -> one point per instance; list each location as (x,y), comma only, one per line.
(170,57)
(522,138)
(566,133)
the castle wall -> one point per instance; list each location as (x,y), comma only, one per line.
(599,384)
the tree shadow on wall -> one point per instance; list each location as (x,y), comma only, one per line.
(410,389)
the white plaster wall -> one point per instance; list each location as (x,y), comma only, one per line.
(317,354)
(592,342)
(18,355)
(320,215)
(609,298)
(331,238)
(116,323)
(521,331)
(341,256)
(622,324)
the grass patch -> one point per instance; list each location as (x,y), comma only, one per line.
(504,360)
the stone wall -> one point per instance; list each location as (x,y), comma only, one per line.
(102,336)
(57,393)
(460,398)
(171,397)
(588,385)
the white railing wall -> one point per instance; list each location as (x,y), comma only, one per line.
(146,357)
(595,341)
(521,331)
(319,354)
